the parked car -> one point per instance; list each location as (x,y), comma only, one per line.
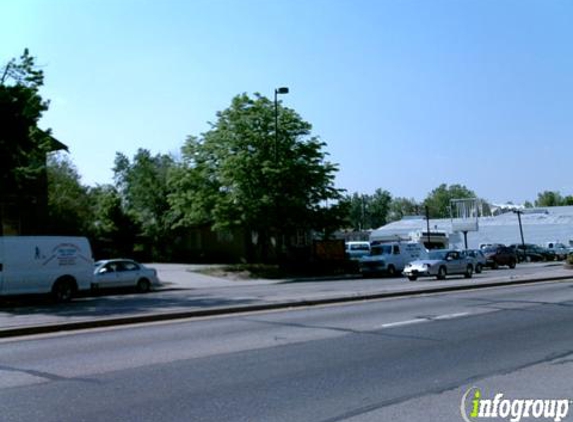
(500,255)
(532,253)
(113,273)
(479,259)
(440,263)
(561,251)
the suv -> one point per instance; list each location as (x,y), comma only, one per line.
(532,253)
(500,255)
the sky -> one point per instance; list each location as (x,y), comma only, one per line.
(407,94)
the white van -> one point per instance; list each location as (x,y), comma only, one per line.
(61,266)
(356,250)
(391,258)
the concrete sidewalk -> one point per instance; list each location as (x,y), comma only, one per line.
(187,294)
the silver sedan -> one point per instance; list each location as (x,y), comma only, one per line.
(439,264)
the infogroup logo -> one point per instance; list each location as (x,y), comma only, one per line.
(474,407)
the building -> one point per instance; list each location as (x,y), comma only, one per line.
(540,225)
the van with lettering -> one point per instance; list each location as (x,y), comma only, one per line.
(56,265)
(391,258)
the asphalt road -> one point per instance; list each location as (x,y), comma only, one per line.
(402,359)
(186,294)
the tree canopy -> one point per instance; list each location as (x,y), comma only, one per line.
(23,146)
(438,201)
(243,174)
(552,199)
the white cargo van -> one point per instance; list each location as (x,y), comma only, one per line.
(61,266)
(391,258)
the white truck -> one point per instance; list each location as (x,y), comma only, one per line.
(391,258)
(55,265)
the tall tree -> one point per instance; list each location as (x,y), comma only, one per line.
(23,146)
(69,204)
(143,186)
(401,207)
(113,231)
(368,211)
(549,199)
(438,201)
(243,174)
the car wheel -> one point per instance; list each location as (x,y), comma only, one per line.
(391,271)
(63,290)
(479,268)
(442,272)
(469,272)
(412,278)
(512,264)
(143,285)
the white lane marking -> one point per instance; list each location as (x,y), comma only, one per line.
(452,316)
(400,323)
(419,320)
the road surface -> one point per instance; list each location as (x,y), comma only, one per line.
(403,359)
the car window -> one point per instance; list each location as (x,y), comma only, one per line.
(130,266)
(437,255)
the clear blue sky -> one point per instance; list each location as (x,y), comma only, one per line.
(407,94)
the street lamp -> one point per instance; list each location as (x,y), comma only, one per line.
(281,90)
(519,212)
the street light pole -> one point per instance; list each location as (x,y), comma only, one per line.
(281,90)
(519,212)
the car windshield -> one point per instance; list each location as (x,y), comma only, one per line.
(437,254)
(381,250)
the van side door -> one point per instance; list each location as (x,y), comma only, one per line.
(398,257)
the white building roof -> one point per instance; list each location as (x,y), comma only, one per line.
(540,225)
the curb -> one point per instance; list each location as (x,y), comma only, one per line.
(140,319)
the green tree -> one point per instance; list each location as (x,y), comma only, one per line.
(356,205)
(113,231)
(379,208)
(438,201)
(239,175)
(143,186)
(401,207)
(69,204)
(23,146)
(368,211)
(549,199)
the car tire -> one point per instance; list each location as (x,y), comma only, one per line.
(512,264)
(479,268)
(63,290)
(143,285)
(412,278)
(391,271)
(469,272)
(442,273)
